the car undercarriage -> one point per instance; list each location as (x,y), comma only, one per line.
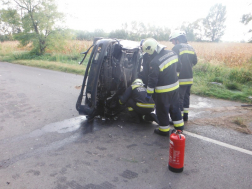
(112,66)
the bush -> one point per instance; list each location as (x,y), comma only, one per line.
(233,86)
(240,75)
(218,79)
(201,68)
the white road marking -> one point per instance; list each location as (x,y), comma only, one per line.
(219,143)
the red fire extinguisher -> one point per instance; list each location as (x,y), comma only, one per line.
(177,151)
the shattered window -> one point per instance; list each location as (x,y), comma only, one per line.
(98,52)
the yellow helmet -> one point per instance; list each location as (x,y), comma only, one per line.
(149,45)
(137,82)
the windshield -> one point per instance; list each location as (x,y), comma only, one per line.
(126,44)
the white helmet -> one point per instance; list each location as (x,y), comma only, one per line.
(137,82)
(160,47)
(175,34)
(149,45)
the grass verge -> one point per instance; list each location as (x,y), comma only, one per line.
(222,82)
(60,62)
(58,66)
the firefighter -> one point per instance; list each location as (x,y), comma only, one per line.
(134,99)
(163,80)
(187,58)
(145,72)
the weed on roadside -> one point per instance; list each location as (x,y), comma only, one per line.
(242,125)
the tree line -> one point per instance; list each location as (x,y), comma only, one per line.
(210,28)
(34,21)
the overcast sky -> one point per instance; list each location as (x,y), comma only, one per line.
(111,14)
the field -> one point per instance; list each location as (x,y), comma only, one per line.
(224,70)
(226,54)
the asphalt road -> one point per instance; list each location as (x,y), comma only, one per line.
(45,144)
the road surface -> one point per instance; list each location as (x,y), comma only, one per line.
(44,143)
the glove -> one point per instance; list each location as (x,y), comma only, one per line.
(108,100)
(148,96)
(120,97)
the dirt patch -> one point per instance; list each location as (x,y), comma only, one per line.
(238,118)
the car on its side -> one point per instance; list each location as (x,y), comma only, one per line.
(112,66)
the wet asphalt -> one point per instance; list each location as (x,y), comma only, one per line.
(45,143)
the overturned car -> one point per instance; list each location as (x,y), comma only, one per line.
(112,66)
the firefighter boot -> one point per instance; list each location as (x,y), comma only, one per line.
(154,118)
(185,117)
(146,118)
(149,118)
(162,133)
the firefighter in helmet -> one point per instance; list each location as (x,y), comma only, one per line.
(135,101)
(143,74)
(163,81)
(188,59)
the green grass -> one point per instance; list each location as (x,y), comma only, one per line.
(59,62)
(69,59)
(63,67)
(222,82)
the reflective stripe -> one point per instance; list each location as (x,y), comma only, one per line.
(166,56)
(186,110)
(168,62)
(178,123)
(142,105)
(164,128)
(167,88)
(186,81)
(120,102)
(182,114)
(135,86)
(130,109)
(185,50)
(177,73)
(150,90)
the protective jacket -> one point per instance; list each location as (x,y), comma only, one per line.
(146,68)
(187,58)
(138,94)
(163,81)
(163,73)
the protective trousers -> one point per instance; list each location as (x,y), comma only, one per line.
(171,104)
(184,100)
(132,106)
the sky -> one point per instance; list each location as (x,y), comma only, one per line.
(109,15)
